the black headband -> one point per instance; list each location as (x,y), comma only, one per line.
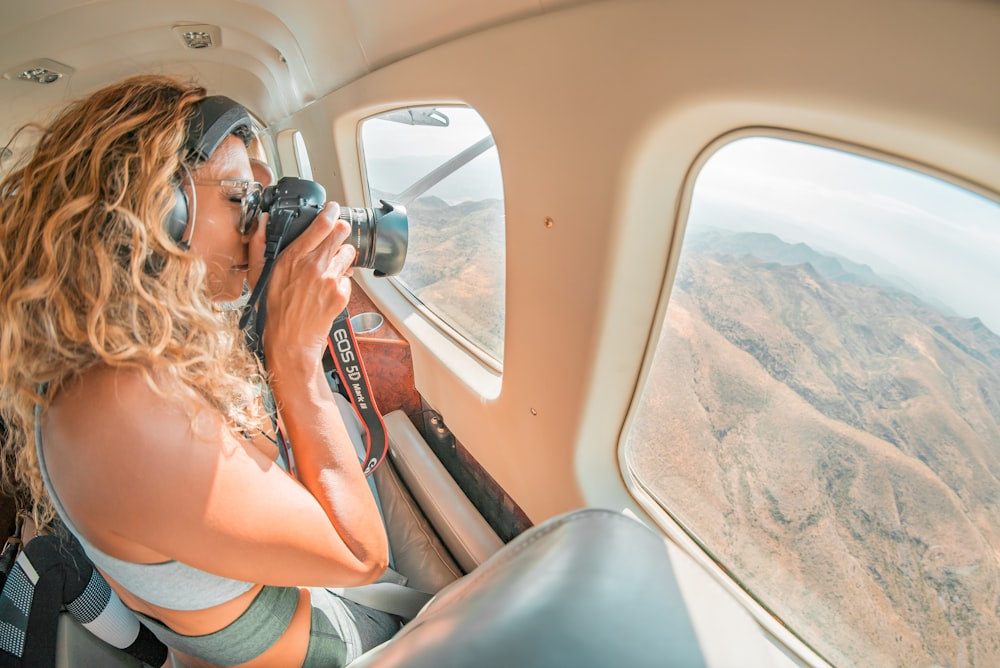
(214,119)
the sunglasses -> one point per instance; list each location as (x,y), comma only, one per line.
(249,193)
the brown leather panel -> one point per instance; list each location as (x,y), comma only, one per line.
(387,359)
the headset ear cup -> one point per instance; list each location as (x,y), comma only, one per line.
(177,219)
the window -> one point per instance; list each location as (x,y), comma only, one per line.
(302,157)
(293,154)
(441,164)
(822,413)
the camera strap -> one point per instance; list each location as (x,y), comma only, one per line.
(343,349)
(253,316)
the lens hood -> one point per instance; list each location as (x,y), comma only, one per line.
(391,237)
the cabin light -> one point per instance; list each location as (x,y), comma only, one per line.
(43,71)
(196,39)
(40,75)
(199,36)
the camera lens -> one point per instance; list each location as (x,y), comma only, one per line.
(380,237)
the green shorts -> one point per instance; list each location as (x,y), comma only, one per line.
(339,632)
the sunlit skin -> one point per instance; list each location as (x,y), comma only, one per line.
(146,482)
(212,231)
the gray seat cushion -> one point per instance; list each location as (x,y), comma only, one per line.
(588,588)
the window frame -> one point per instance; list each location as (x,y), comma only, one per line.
(457,338)
(657,510)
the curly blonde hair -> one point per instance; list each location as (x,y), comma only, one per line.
(89,275)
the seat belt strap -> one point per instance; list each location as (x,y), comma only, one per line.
(396,599)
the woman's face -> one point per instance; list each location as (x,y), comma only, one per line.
(216,236)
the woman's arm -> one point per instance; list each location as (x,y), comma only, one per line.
(309,286)
(145,481)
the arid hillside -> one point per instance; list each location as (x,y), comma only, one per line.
(456,262)
(834,442)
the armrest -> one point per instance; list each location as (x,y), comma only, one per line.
(468,537)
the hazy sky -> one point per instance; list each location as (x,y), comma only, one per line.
(941,239)
(387,139)
(399,154)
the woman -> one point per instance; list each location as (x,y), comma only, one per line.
(135,406)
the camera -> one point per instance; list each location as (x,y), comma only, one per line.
(379,235)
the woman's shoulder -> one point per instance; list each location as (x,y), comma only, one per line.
(110,426)
(123,395)
(118,448)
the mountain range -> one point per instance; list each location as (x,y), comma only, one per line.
(831,439)
(455,261)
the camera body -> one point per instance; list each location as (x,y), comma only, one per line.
(380,235)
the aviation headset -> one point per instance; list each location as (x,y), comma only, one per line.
(213,119)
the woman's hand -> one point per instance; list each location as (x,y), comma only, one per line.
(309,286)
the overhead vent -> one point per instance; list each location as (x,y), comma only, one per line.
(200,36)
(43,71)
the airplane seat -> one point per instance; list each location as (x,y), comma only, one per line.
(435,532)
(418,553)
(76,647)
(453,525)
(591,587)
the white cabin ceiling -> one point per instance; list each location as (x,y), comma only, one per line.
(276,56)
